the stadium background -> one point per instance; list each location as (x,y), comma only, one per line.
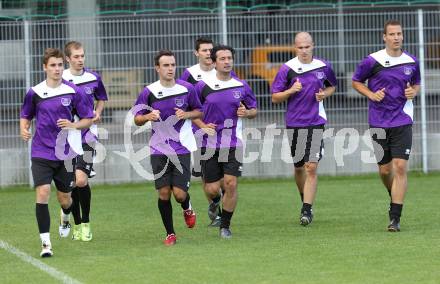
(122,37)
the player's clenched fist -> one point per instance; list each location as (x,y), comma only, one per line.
(378,95)
(154,115)
(296,87)
(410,92)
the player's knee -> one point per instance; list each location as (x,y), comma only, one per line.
(164,194)
(42,198)
(42,194)
(230,183)
(384,170)
(311,168)
(81,182)
(180,196)
(65,201)
(212,189)
(400,169)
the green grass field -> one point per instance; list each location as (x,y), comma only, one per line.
(346,243)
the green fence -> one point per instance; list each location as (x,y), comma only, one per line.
(54,9)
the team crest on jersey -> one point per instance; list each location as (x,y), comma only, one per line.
(320,75)
(66,101)
(407,70)
(236,94)
(179,102)
(88,90)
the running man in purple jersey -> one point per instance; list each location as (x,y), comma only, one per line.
(226,100)
(305,81)
(194,74)
(393,77)
(199,72)
(90,82)
(170,105)
(57,139)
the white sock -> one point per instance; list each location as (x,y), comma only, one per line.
(45,238)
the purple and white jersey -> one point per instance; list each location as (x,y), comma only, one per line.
(48,105)
(393,74)
(302,108)
(195,74)
(220,100)
(170,135)
(91,83)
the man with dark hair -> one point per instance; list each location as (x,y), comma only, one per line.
(393,81)
(226,100)
(54,102)
(304,82)
(204,67)
(199,72)
(90,82)
(170,105)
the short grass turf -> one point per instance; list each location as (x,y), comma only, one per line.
(346,243)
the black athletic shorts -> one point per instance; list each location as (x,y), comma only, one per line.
(166,171)
(307,144)
(390,143)
(220,162)
(85,162)
(44,171)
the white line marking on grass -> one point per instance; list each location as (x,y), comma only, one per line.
(38,264)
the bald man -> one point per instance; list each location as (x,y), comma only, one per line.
(305,82)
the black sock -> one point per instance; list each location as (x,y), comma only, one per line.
(185,204)
(226,219)
(302,196)
(306,208)
(217,199)
(85,197)
(166,212)
(67,211)
(43,217)
(395,211)
(76,212)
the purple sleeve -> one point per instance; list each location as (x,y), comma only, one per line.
(330,75)
(364,70)
(416,78)
(82,104)
(193,99)
(101,93)
(28,107)
(141,102)
(249,99)
(198,89)
(280,83)
(185,75)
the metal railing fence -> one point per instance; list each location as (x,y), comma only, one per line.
(121,49)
